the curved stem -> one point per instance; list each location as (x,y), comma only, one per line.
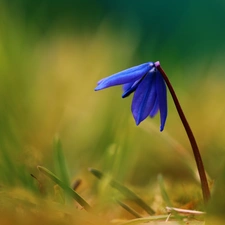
(196,152)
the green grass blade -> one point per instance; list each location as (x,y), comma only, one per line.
(163,190)
(68,190)
(125,191)
(129,209)
(165,196)
(60,162)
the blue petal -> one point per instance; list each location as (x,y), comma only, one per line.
(155,108)
(126,76)
(162,99)
(130,88)
(144,97)
(127,86)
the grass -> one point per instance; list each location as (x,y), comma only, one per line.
(50,117)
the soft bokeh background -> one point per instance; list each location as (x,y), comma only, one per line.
(52,53)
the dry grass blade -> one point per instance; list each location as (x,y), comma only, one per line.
(144,220)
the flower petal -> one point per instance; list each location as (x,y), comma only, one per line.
(127,86)
(162,99)
(155,108)
(131,87)
(126,76)
(144,97)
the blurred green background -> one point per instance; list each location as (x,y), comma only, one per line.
(52,53)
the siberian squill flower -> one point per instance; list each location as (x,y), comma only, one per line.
(149,89)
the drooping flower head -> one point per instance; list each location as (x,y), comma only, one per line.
(149,90)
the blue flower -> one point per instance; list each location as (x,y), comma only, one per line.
(149,90)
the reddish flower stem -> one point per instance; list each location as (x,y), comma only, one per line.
(196,152)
